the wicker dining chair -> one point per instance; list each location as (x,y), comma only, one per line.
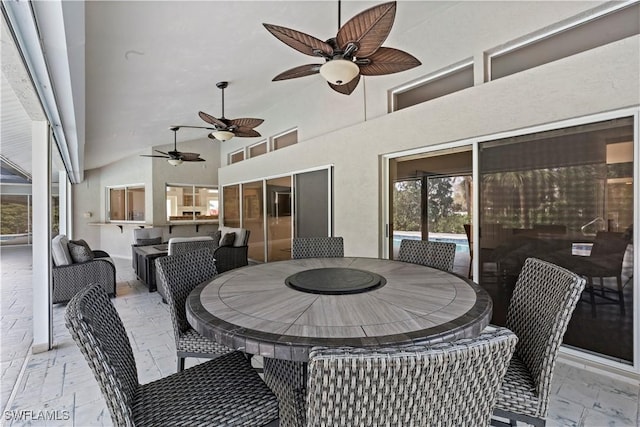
(178,275)
(445,384)
(543,300)
(225,391)
(317,247)
(440,255)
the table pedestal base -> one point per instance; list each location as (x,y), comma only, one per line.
(288,381)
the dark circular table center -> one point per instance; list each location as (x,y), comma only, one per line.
(335,281)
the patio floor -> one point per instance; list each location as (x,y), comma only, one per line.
(59,383)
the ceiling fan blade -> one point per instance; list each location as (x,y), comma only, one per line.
(161,152)
(300,41)
(348,88)
(194,160)
(246,133)
(188,157)
(195,127)
(212,120)
(301,71)
(152,155)
(246,122)
(387,60)
(368,29)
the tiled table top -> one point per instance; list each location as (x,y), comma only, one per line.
(252,308)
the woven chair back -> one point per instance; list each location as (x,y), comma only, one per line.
(444,384)
(178,248)
(317,247)
(98,330)
(541,306)
(440,255)
(179,275)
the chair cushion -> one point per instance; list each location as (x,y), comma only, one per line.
(228,239)
(518,391)
(241,235)
(60,250)
(189,239)
(146,233)
(80,251)
(150,241)
(224,391)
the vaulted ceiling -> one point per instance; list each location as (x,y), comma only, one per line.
(149,65)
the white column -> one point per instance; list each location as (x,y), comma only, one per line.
(41,248)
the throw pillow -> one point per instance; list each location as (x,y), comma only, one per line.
(216,235)
(60,250)
(80,252)
(153,241)
(228,239)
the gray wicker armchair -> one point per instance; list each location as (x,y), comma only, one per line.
(225,391)
(440,255)
(69,276)
(445,384)
(540,309)
(178,275)
(235,255)
(317,247)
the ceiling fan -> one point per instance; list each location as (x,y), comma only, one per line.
(224,129)
(355,51)
(175,157)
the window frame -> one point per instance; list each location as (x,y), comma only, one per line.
(431,78)
(124,188)
(280,135)
(558,29)
(249,154)
(193,195)
(233,153)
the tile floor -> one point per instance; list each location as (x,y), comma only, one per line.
(59,384)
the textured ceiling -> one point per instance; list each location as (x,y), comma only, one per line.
(152,64)
(19,105)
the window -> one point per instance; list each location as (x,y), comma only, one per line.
(125,203)
(451,79)
(258,149)
(604,27)
(187,202)
(285,139)
(236,156)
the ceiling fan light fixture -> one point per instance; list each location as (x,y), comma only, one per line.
(339,71)
(222,135)
(175,162)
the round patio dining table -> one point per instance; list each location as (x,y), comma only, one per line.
(281,310)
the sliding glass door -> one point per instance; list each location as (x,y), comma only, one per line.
(253,218)
(279,218)
(565,196)
(276,209)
